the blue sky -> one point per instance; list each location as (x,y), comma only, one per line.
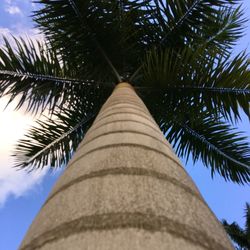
(21,195)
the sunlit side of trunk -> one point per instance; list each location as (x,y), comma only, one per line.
(125,189)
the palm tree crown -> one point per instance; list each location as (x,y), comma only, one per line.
(176,54)
(240,236)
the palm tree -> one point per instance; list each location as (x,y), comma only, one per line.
(101,62)
(240,236)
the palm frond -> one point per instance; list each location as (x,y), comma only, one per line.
(35,76)
(217,84)
(211,140)
(53,140)
(214,26)
(188,21)
(247,225)
(237,234)
(99,37)
(195,89)
(42,77)
(221,37)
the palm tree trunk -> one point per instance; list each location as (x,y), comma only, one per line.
(125,189)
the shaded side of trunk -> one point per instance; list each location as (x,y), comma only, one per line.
(125,189)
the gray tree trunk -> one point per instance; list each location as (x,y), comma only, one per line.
(125,189)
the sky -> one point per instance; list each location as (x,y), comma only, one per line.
(22,194)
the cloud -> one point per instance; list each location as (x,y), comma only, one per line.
(11,9)
(17,183)
(20,30)
(21,25)
(5,31)
(12,182)
(8,1)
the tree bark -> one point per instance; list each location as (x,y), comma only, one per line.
(125,189)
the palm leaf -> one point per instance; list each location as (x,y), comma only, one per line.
(37,77)
(217,144)
(237,234)
(53,140)
(247,225)
(218,84)
(221,38)
(101,37)
(186,21)
(215,26)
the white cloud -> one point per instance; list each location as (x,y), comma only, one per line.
(19,30)
(12,182)
(17,183)
(5,31)
(22,27)
(11,9)
(8,1)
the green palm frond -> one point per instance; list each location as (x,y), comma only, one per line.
(187,21)
(247,224)
(236,234)
(218,84)
(221,37)
(109,34)
(215,27)
(34,75)
(113,36)
(239,236)
(99,47)
(53,140)
(211,140)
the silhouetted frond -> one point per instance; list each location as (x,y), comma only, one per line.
(219,146)
(35,76)
(239,236)
(53,140)
(217,84)
(101,38)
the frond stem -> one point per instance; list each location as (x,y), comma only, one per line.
(178,23)
(200,89)
(42,77)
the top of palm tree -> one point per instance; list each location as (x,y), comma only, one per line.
(240,236)
(176,54)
